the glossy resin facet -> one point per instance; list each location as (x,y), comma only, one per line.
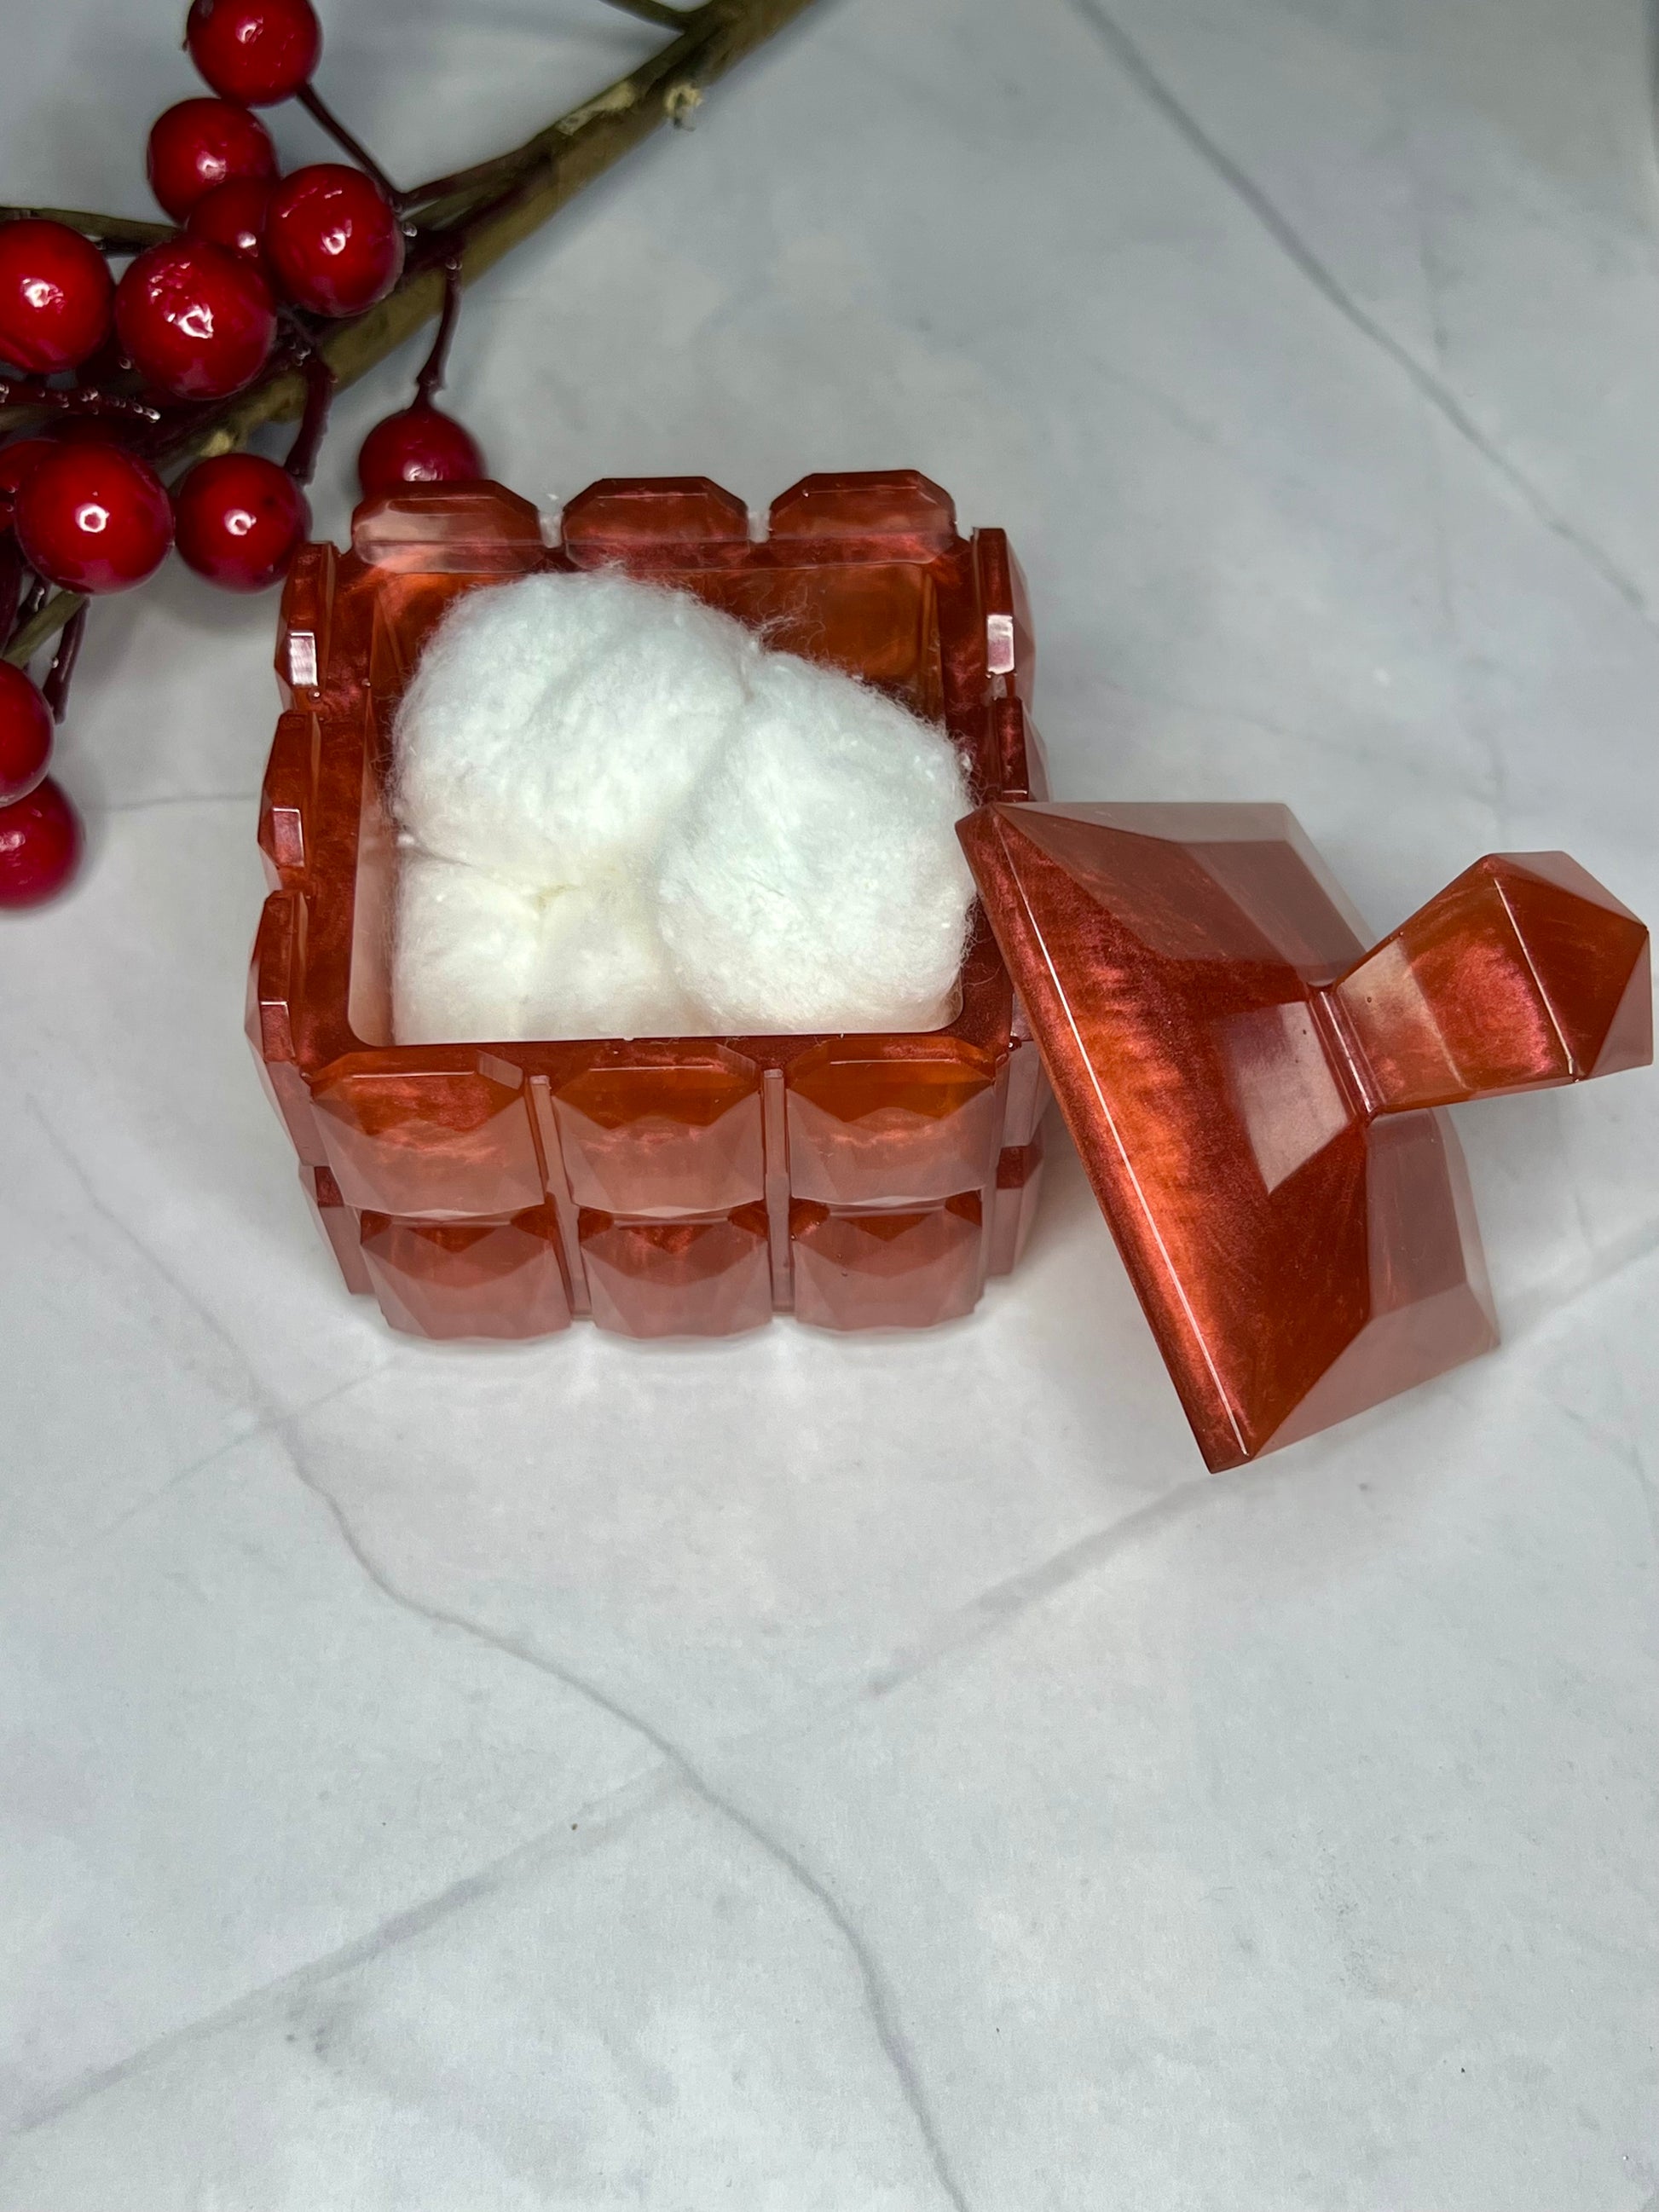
(668,1186)
(1254,1093)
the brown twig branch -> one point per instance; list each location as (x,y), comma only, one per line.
(653,11)
(116,234)
(535,180)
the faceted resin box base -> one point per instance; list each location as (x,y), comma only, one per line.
(1257,1098)
(667,1187)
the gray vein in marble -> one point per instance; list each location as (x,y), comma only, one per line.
(283,1425)
(1624,1446)
(1139,71)
(1432,289)
(1004,1603)
(154,1498)
(257,1427)
(593,1826)
(878,1999)
(268,1413)
(263,1405)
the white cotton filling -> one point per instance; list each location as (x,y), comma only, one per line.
(620,816)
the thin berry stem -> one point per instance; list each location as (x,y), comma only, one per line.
(431,377)
(11,583)
(464,180)
(33,600)
(320,398)
(317,108)
(55,690)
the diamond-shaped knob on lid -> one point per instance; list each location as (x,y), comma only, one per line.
(1252,1092)
(1522,974)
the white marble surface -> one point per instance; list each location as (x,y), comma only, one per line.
(814,1776)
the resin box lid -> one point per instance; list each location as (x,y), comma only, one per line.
(1254,1093)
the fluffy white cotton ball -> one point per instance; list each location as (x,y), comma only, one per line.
(555,725)
(478,959)
(601,970)
(466,954)
(620,818)
(814,879)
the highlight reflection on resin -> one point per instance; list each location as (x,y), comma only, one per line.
(1255,1095)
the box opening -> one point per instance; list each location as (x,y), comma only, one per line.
(876,620)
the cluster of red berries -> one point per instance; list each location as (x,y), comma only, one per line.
(193,319)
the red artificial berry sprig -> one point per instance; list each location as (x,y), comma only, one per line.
(40,837)
(40,847)
(261,51)
(40,834)
(233,215)
(421,444)
(333,239)
(240,517)
(256,51)
(55,294)
(197,316)
(25,735)
(82,511)
(196,320)
(201,144)
(93,518)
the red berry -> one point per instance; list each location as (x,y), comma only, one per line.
(233,215)
(201,144)
(239,519)
(333,239)
(421,446)
(196,320)
(17,460)
(94,519)
(257,51)
(54,295)
(40,847)
(25,734)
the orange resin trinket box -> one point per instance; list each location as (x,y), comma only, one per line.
(1255,1094)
